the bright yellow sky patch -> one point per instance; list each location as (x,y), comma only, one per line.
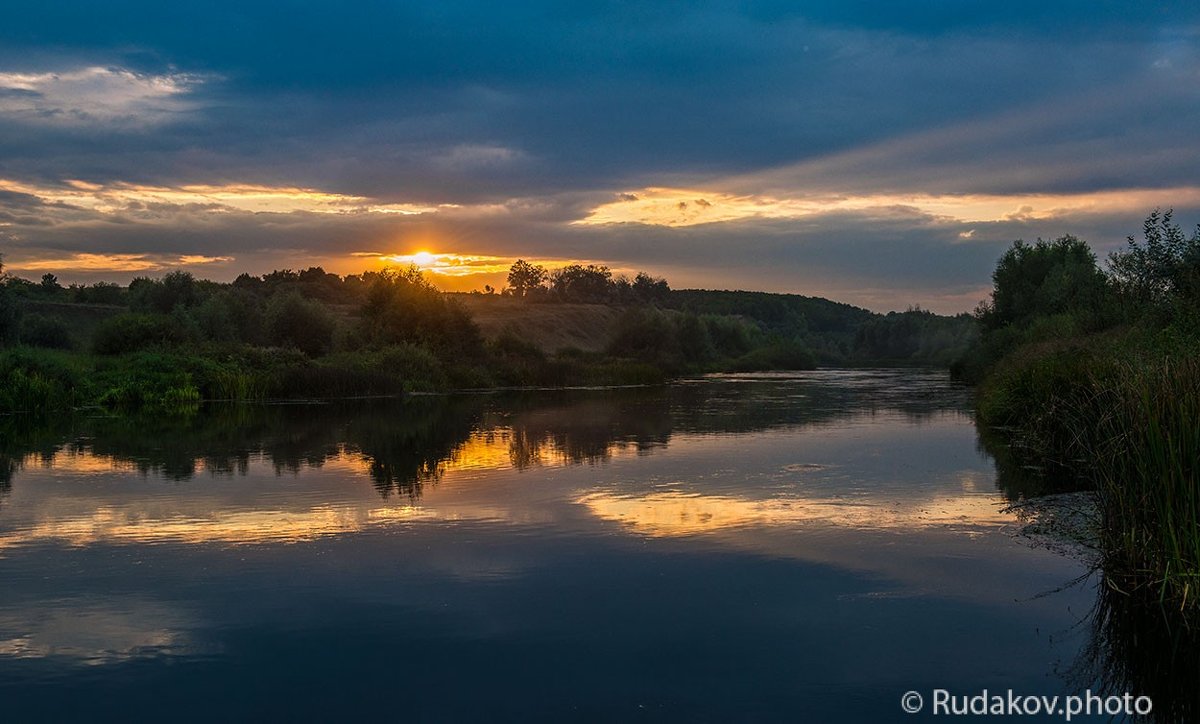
(675,207)
(447,264)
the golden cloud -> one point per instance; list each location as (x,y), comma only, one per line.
(115,262)
(678,207)
(132,198)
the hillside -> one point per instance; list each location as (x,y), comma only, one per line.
(550,326)
(836,333)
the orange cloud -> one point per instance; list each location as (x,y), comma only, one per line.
(114,262)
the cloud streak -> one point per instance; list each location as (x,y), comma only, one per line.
(95,95)
(883,157)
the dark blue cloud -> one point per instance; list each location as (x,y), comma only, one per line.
(473,102)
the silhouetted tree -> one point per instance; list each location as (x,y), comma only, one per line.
(177,289)
(577,283)
(1163,271)
(50,286)
(650,289)
(98,293)
(523,277)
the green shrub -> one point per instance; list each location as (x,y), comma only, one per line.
(778,356)
(133,332)
(648,335)
(293,321)
(398,365)
(231,315)
(41,331)
(39,382)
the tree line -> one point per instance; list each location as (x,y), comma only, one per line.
(590,283)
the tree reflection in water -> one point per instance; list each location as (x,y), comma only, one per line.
(406,444)
(1134,645)
(1140,647)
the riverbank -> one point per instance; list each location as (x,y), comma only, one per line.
(1095,376)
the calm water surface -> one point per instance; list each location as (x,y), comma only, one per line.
(799,547)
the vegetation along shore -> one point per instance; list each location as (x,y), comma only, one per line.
(168,343)
(1094,374)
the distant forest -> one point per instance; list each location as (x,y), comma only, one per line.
(173,341)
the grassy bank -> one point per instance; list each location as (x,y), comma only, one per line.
(1121,410)
(1096,377)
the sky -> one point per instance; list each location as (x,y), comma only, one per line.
(878,153)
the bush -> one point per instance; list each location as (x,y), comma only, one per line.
(10,314)
(293,321)
(177,289)
(394,367)
(231,315)
(38,382)
(132,332)
(99,293)
(778,356)
(41,331)
(730,336)
(647,335)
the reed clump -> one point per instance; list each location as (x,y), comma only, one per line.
(1121,412)
(1145,451)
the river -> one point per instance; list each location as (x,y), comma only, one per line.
(776,547)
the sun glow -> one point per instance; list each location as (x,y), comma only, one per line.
(445,264)
(424,259)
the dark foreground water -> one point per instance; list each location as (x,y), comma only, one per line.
(764,548)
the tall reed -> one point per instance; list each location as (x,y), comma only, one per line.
(1145,445)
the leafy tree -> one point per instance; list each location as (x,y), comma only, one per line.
(232,314)
(403,306)
(650,289)
(694,341)
(523,277)
(177,289)
(577,283)
(50,286)
(1043,279)
(99,293)
(1163,271)
(648,335)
